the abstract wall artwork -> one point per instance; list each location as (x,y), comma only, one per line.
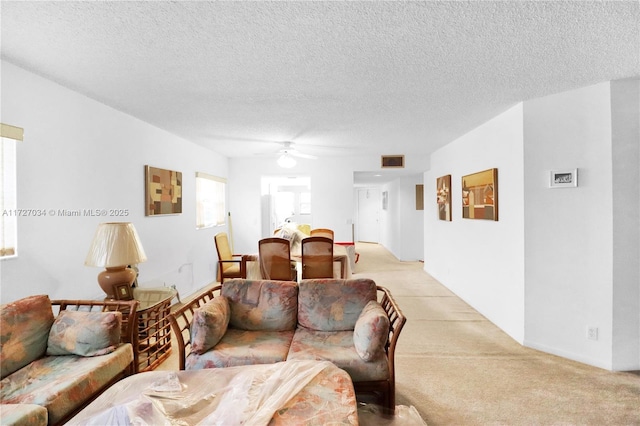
(163,191)
(443,192)
(480,195)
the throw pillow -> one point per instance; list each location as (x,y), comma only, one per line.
(84,333)
(262,305)
(209,324)
(371,331)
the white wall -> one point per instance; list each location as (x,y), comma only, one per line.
(625,115)
(482,261)
(569,230)
(81,154)
(332,197)
(582,244)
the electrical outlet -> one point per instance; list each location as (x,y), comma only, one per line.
(592,333)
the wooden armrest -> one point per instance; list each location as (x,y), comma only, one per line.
(241,257)
(181,318)
(396,322)
(242,262)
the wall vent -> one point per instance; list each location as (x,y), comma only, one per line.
(392,161)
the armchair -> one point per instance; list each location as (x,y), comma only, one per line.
(229,265)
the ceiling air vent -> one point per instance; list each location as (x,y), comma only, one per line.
(392,161)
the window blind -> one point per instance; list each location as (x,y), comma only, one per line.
(8,205)
(210,200)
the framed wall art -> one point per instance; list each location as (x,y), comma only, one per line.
(122,291)
(163,191)
(563,178)
(443,195)
(420,196)
(385,200)
(480,195)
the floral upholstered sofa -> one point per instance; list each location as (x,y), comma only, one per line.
(353,323)
(52,366)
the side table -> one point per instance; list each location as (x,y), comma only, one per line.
(153,343)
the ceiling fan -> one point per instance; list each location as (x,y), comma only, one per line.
(289,147)
(288,152)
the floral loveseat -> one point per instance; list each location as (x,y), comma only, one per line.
(350,322)
(54,366)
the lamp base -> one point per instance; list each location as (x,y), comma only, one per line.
(112,276)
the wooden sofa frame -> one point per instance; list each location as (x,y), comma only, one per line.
(128,334)
(383,389)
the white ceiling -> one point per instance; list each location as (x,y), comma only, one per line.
(366,77)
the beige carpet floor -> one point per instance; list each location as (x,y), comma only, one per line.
(454,367)
(457,368)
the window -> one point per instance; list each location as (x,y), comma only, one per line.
(8,220)
(210,200)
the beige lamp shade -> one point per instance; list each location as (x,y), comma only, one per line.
(115,246)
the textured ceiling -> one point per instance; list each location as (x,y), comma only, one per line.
(360,77)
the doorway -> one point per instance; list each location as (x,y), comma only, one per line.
(285,199)
(368,229)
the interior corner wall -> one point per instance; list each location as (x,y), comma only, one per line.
(481,261)
(80,155)
(625,123)
(568,231)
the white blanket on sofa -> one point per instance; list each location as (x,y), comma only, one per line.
(247,395)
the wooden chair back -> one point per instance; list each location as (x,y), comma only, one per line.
(317,257)
(322,232)
(274,255)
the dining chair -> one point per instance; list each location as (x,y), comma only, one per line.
(322,232)
(229,265)
(317,257)
(274,255)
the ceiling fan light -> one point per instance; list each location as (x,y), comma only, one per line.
(286,161)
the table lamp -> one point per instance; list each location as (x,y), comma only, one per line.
(115,246)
